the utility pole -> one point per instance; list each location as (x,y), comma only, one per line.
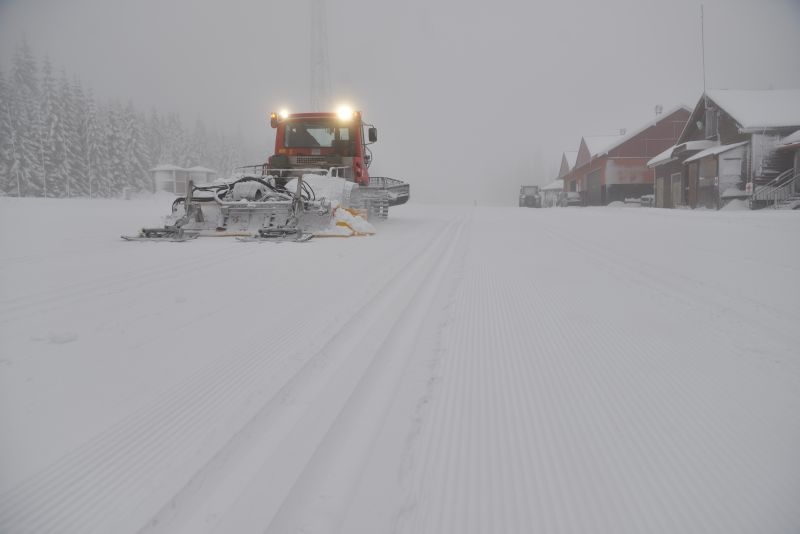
(320,70)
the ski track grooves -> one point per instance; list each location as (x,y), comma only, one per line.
(587,431)
(319,500)
(35,304)
(112,482)
(643,271)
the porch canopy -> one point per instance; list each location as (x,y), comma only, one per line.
(671,154)
(791,141)
(714,151)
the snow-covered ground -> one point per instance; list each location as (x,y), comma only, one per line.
(464,370)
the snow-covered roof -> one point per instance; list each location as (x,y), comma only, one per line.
(645,126)
(605,144)
(759,109)
(555,185)
(202,169)
(793,139)
(662,158)
(666,156)
(714,151)
(702,144)
(600,144)
(166,167)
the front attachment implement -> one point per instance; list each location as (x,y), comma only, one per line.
(278,235)
(162,234)
(253,208)
(172,232)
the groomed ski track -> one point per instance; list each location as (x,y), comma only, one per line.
(466,370)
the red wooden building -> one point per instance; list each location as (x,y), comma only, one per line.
(610,168)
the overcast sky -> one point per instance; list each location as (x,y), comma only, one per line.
(471,99)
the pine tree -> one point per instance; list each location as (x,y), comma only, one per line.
(175,152)
(65,137)
(94,143)
(25,122)
(49,118)
(115,149)
(136,154)
(79,138)
(56,140)
(215,151)
(154,138)
(6,139)
(198,154)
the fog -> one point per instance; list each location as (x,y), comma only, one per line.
(471,99)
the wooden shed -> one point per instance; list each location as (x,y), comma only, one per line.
(173,179)
(741,135)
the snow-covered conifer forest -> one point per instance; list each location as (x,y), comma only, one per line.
(58,140)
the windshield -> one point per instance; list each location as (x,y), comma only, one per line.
(319,133)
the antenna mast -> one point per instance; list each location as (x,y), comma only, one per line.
(703,47)
(320,71)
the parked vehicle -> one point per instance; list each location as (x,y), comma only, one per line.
(530,197)
(573,198)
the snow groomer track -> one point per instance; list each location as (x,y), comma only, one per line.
(463,370)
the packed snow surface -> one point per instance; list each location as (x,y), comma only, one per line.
(463,370)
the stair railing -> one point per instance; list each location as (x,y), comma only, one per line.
(780,188)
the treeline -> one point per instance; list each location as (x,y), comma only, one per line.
(57,141)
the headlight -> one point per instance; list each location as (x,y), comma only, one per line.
(345,113)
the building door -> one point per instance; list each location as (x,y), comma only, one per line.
(693,176)
(797,170)
(594,193)
(660,192)
(677,186)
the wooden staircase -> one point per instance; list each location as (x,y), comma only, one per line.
(782,192)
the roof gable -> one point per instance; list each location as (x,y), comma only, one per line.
(568,159)
(593,146)
(600,144)
(750,109)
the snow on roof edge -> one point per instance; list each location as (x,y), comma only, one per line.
(663,157)
(628,136)
(759,108)
(166,167)
(649,124)
(715,151)
(555,185)
(791,139)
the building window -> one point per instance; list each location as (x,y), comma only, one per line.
(712,116)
